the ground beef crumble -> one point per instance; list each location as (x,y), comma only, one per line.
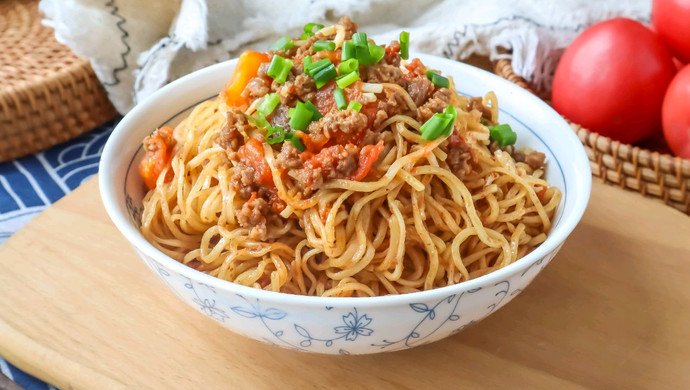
(383,73)
(438,102)
(334,162)
(288,158)
(419,89)
(535,160)
(390,103)
(459,155)
(252,215)
(476,103)
(343,121)
(230,136)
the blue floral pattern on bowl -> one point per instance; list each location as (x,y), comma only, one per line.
(351,329)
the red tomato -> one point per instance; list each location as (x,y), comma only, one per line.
(676,114)
(252,154)
(678,63)
(612,80)
(671,19)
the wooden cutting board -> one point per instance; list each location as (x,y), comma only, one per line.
(78,309)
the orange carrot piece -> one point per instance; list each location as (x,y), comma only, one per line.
(367,157)
(158,152)
(246,69)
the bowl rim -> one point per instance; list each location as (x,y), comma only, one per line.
(560,231)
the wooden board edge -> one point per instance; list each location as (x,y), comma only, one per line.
(48,365)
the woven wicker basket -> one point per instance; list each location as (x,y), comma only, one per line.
(648,172)
(47,94)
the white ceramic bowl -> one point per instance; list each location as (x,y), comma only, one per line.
(347,325)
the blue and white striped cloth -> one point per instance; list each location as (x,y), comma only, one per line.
(30,184)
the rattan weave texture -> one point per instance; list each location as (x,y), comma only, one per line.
(47,93)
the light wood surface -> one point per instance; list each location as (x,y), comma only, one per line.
(80,310)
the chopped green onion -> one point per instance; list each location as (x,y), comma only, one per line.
(435,126)
(271,137)
(300,117)
(284,43)
(439,124)
(259,121)
(437,79)
(363,56)
(354,106)
(339,96)
(369,54)
(315,67)
(450,110)
(324,45)
(306,62)
(324,75)
(307,35)
(366,52)
(295,141)
(268,104)
(348,51)
(404,45)
(349,66)
(376,53)
(503,134)
(316,115)
(360,39)
(345,80)
(309,27)
(279,69)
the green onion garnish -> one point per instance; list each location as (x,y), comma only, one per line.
(315,67)
(279,69)
(307,35)
(345,80)
(450,110)
(360,39)
(348,51)
(306,62)
(364,51)
(349,66)
(339,96)
(259,121)
(376,53)
(324,75)
(503,134)
(324,45)
(268,104)
(354,106)
(437,79)
(284,43)
(435,126)
(439,124)
(295,141)
(316,115)
(300,117)
(309,28)
(370,54)
(404,45)
(275,135)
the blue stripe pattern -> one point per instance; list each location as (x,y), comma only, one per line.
(30,184)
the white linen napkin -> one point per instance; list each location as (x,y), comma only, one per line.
(135,47)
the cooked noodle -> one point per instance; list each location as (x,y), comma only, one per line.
(412,225)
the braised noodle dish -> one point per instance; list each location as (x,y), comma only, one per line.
(332,166)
